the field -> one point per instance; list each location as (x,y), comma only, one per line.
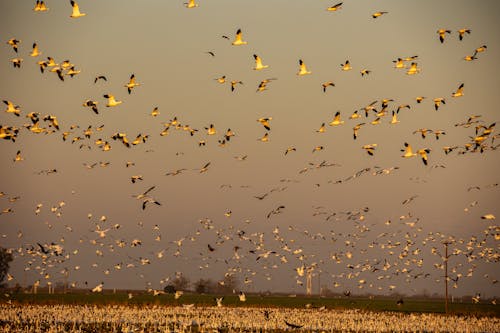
(110,312)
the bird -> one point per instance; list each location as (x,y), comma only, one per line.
(205,167)
(147,201)
(263,84)
(76,10)
(131,84)
(370,148)
(302,69)
(334,8)
(265,122)
(238,39)
(100,77)
(258,63)
(218,301)
(462,32)
(413,69)
(488,217)
(482,48)
(459,92)
(16,62)
(111,100)
(336,120)
(365,72)
(14,43)
(191,4)
(18,157)
(40,6)
(234,83)
(98,288)
(221,79)
(242,297)
(378,14)
(327,84)
(35,52)
(322,129)
(438,101)
(178,294)
(442,33)
(289,150)
(11,108)
(346,66)
(356,129)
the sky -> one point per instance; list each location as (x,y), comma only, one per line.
(368,224)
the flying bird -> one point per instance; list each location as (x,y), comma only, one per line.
(131,84)
(76,10)
(258,63)
(327,84)
(111,100)
(303,69)
(238,39)
(191,4)
(459,92)
(378,14)
(462,32)
(442,33)
(334,8)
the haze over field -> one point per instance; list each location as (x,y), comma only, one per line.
(289,186)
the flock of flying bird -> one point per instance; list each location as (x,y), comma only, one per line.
(259,253)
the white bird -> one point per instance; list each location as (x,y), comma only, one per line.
(76,10)
(112,101)
(191,4)
(238,39)
(258,63)
(303,69)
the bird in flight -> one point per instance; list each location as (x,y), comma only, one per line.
(459,92)
(111,100)
(258,63)
(334,8)
(346,66)
(303,69)
(76,10)
(191,4)
(378,14)
(442,33)
(238,39)
(327,84)
(336,120)
(131,84)
(265,122)
(462,32)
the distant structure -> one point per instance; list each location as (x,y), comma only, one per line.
(309,281)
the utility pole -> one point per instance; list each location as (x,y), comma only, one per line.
(446,276)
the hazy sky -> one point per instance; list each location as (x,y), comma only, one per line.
(165,45)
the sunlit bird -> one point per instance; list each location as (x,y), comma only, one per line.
(111,100)
(459,92)
(378,14)
(191,4)
(442,33)
(76,10)
(131,84)
(462,32)
(302,68)
(238,39)
(336,120)
(327,84)
(334,8)
(258,63)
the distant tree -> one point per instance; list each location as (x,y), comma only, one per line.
(228,285)
(169,289)
(5,259)
(204,286)
(181,283)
